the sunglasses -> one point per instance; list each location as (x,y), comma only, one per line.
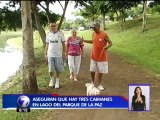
(93,27)
(53,26)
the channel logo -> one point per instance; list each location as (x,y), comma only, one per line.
(23,104)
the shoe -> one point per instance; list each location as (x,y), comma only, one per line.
(71,77)
(57,83)
(100,87)
(51,83)
(75,79)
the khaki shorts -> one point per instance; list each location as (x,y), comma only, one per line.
(101,67)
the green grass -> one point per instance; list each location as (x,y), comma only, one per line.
(137,47)
(17,42)
(4,36)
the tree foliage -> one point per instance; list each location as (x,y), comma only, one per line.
(154,7)
(10,17)
(90,12)
(43,18)
(10,20)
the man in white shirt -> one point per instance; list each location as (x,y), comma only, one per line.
(55,53)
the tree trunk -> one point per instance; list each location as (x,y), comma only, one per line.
(117,17)
(104,25)
(48,16)
(124,19)
(121,21)
(29,74)
(144,16)
(93,20)
(123,16)
(38,25)
(64,11)
(47,11)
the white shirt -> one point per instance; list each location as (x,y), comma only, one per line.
(54,41)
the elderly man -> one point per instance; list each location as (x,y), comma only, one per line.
(98,62)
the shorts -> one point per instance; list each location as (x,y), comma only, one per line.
(101,67)
(55,63)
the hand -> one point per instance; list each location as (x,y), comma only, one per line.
(139,99)
(83,56)
(82,39)
(64,56)
(46,58)
(136,100)
(106,47)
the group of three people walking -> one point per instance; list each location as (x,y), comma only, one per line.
(57,50)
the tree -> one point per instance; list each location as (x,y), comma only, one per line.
(38,24)
(154,6)
(90,11)
(39,18)
(104,9)
(46,9)
(10,19)
(43,18)
(29,74)
(119,8)
(64,11)
(144,16)
(51,17)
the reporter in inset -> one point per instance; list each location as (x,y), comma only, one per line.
(138,100)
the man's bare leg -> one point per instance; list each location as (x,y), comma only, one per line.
(93,77)
(99,80)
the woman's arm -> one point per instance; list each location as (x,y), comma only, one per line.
(67,47)
(143,101)
(64,50)
(81,46)
(45,52)
(82,52)
(133,102)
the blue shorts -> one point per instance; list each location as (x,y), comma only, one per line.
(55,63)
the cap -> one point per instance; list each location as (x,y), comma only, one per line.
(95,24)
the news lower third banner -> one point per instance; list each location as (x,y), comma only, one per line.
(52,101)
